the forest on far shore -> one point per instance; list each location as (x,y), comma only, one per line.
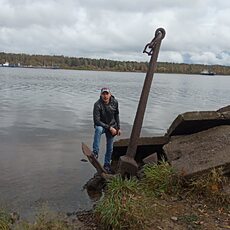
(80,63)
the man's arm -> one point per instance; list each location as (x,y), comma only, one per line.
(116,116)
(117,119)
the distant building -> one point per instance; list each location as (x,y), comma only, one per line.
(6,64)
(207,72)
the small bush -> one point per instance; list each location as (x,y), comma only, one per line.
(160,179)
(123,206)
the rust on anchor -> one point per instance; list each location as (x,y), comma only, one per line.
(127,164)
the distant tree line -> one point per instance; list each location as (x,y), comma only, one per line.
(80,63)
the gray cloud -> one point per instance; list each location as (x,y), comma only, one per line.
(197,31)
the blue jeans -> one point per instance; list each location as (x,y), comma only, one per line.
(99,130)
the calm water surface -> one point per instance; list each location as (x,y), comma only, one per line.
(46,114)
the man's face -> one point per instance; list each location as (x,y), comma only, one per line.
(106,97)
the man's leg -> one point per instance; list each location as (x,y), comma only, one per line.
(109,150)
(99,130)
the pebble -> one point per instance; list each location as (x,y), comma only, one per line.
(174,218)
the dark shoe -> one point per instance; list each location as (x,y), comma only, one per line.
(108,168)
(95,154)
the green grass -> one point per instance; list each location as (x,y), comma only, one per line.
(160,179)
(133,204)
(123,206)
(130,204)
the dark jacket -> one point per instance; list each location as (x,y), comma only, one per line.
(106,115)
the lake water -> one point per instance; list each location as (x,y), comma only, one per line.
(46,114)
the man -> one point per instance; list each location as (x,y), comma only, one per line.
(106,121)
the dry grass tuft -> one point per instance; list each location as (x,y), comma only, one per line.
(209,186)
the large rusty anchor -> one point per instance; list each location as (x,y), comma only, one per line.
(127,163)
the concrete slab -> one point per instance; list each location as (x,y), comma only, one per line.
(196,121)
(161,140)
(195,153)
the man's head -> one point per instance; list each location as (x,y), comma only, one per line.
(105,95)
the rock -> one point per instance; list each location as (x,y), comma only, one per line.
(95,183)
(191,154)
(174,218)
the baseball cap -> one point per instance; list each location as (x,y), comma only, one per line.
(105,89)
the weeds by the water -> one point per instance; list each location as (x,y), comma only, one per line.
(123,206)
(132,204)
(129,204)
(45,220)
(160,179)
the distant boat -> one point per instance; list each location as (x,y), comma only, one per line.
(207,72)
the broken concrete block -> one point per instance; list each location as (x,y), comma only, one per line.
(196,121)
(191,154)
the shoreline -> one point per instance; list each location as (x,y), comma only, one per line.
(111,70)
(180,209)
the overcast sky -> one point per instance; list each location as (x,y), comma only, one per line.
(197,31)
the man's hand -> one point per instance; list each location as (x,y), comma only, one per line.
(113,131)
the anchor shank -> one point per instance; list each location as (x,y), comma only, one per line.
(138,121)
